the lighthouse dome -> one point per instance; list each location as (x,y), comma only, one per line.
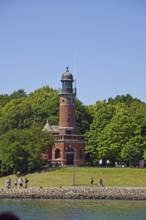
(67,76)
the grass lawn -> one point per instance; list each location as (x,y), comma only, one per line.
(64,177)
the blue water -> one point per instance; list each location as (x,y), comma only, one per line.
(75,209)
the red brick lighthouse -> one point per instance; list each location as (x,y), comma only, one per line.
(69,147)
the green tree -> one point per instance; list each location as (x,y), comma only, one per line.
(117,134)
(45,106)
(15,158)
(15,114)
(18,94)
(4,99)
(138,111)
(21,149)
(126,99)
(101,119)
(83,117)
(133,150)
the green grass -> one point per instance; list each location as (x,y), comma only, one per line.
(64,177)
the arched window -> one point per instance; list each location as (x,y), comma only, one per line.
(57,153)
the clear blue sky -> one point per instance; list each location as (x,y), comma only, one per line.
(102,41)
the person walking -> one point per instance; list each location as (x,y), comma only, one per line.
(91,181)
(20,180)
(100,182)
(15,183)
(26,183)
(8,183)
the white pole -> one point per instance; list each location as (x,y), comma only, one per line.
(74,173)
(75,68)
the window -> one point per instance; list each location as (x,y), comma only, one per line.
(68,131)
(57,153)
(67,84)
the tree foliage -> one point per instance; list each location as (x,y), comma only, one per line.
(83,117)
(21,149)
(118,131)
(113,129)
(22,118)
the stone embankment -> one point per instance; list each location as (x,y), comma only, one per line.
(111,193)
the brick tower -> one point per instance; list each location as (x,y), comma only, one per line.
(69,147)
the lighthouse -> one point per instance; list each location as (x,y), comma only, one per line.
(67,104)
(69,146)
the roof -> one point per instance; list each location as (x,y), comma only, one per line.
(51,129)
(47,127)
(67,76)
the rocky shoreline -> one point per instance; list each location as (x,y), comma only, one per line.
(110,193)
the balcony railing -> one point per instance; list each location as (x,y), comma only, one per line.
(69,138)
(67,91)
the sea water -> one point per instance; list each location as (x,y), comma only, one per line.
(75,209)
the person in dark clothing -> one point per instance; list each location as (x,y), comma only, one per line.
(26,183)
(100,182)
(91,181)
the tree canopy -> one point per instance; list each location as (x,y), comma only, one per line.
(22,118)
(118,131)
(114,130)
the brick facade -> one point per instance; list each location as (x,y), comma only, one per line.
(66,113)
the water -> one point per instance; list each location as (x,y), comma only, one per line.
(75,209)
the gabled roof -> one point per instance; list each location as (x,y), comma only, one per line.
(51,129)
(47,127)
